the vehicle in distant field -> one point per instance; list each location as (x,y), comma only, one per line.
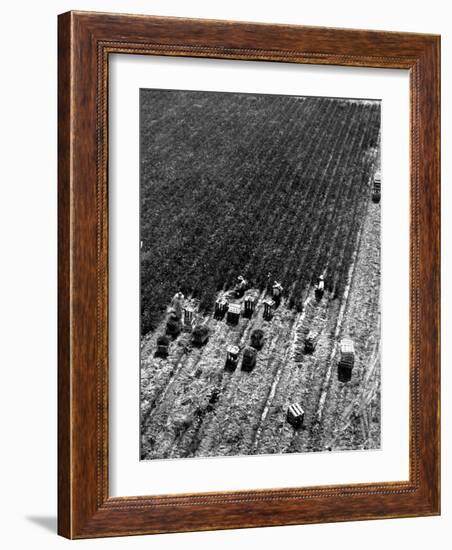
(249,359)
(257,338)
(173,323)
(269,306)
(233,314)
(376,188)
(295,415)
(162,346)
(346,360)
(232,357)
(310,342)
(200,335)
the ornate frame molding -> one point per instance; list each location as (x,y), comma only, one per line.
(85,42)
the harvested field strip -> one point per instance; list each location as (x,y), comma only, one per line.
(235,414)
(361,322)
(219,383)
(282,382)
(299,383)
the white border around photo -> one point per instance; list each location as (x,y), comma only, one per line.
(129,475)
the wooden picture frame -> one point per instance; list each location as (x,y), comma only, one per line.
(85,42)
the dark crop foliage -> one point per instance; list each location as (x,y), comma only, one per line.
(239,184)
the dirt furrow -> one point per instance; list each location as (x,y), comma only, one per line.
(361,323)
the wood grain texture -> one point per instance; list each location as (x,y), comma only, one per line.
(64,295)
(85,42)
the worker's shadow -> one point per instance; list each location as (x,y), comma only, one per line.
(49,523)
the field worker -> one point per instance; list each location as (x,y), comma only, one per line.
(268,282)
(277,293)
(177,302)
(240,287)
(321,283)
(277,288)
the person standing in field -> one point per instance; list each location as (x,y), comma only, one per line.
(320,283)
(177,304)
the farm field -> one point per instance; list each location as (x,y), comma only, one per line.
(271,188)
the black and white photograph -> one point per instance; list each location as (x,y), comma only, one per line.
(259,274)
(224,236)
